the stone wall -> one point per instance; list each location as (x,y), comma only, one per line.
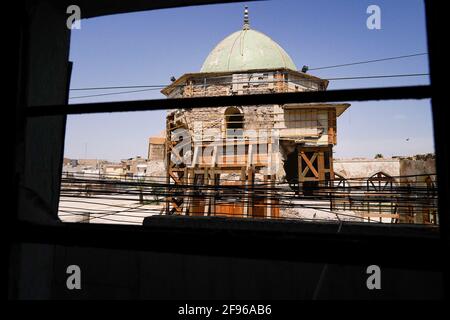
(243,83)
(395,167)
(156,152)
(207,123)
(364,168)
(423,167)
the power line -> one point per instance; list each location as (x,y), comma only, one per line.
(117,87)
(370,61)
(155,87)
(382,76)
(78,193)
(114,93)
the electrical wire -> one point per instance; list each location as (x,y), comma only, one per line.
(370,61)
(161,86)
(154,87)
(383,199)
(157,86)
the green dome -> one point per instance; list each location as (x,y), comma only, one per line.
(245,50)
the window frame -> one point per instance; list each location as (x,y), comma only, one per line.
(330,244)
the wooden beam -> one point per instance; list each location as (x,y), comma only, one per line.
(321,166)
(309,164)
(267,200)
(195,157)
(250,191)
(208,193)
(332,126)
(174,177)
(250,156)
(301,177)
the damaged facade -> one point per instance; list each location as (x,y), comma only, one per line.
(243,145)
(268,160)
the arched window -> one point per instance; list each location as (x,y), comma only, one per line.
(234,122)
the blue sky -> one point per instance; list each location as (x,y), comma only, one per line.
(147,48)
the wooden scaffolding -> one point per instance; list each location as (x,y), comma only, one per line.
(199,189)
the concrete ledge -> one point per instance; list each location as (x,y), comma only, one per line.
(290,226)
(360,244)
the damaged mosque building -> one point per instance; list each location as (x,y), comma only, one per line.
(271,161)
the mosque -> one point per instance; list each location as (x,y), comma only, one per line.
(239,146)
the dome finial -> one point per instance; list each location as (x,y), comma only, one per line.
(246,21)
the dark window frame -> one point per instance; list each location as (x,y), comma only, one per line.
(350,244)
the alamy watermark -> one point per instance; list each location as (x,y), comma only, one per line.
(374,20)
(74,279)
(373,282)
(74,19)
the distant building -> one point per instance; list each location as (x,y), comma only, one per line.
(134,167)
(156,148)
(113,170)
(96,163)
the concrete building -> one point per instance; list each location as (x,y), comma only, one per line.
(113,170)
(156,147)
(415,169)
(398,189)
(134,167)
(95,163)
